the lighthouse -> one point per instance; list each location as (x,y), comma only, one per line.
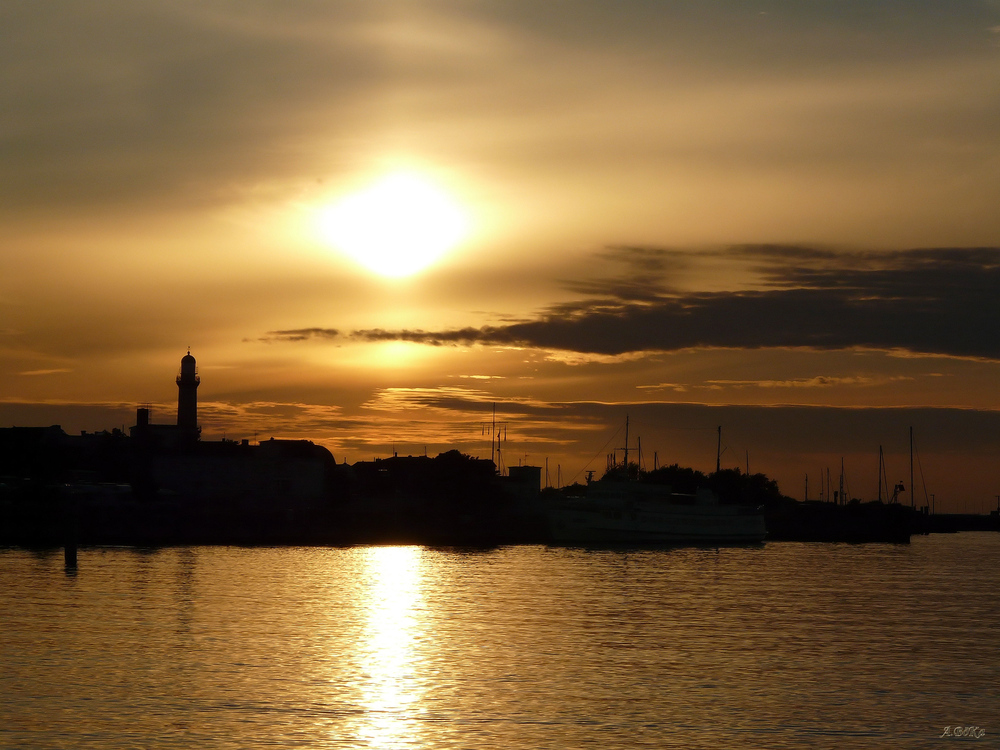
(187,395)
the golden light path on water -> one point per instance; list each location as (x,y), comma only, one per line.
(782,646)
(393,625)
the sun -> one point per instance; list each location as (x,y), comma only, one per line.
(395,227)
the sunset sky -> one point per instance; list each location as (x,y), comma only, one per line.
(371,221)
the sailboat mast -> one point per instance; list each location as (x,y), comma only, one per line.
(842,500)
(718,452)
(912,504)
(880,459)
(626,445)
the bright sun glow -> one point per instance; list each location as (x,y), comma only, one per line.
(398,226)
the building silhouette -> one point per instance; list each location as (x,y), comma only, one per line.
(186,431)
(163,484)
(187,396)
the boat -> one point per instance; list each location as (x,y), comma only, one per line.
(613,512)
(848,520)
(619,509)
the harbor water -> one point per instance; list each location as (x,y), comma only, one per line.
(779,645)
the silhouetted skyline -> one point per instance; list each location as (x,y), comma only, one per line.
(373,222)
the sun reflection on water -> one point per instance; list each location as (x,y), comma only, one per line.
(391,688)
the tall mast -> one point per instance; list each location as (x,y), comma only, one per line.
(718,452)
(880,464)
(911,467)
(501,431)
(626,446)
(842,500)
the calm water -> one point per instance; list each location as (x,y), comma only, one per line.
(778,646)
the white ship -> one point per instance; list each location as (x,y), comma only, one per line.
(614,512)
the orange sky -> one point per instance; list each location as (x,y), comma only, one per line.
(780,218)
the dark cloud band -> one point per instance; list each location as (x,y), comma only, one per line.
(935,301)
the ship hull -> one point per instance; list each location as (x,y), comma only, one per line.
(629,520)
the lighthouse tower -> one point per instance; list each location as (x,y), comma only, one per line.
(187,395)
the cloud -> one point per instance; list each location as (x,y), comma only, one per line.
(937,301)
(464,418)
(300,334)
(269,418)
(818,381)
(464,336)
(197,103)
(126,102)
(471,402)
(73,416)
(53,371)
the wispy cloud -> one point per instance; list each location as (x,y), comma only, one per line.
(451,398)
(273,418)
(53,371)
(300,334)
(818,381)
(464,336)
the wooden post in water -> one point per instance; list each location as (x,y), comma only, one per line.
(69,523)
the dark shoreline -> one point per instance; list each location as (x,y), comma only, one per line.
(58,522)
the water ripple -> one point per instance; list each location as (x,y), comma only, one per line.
(774,646)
